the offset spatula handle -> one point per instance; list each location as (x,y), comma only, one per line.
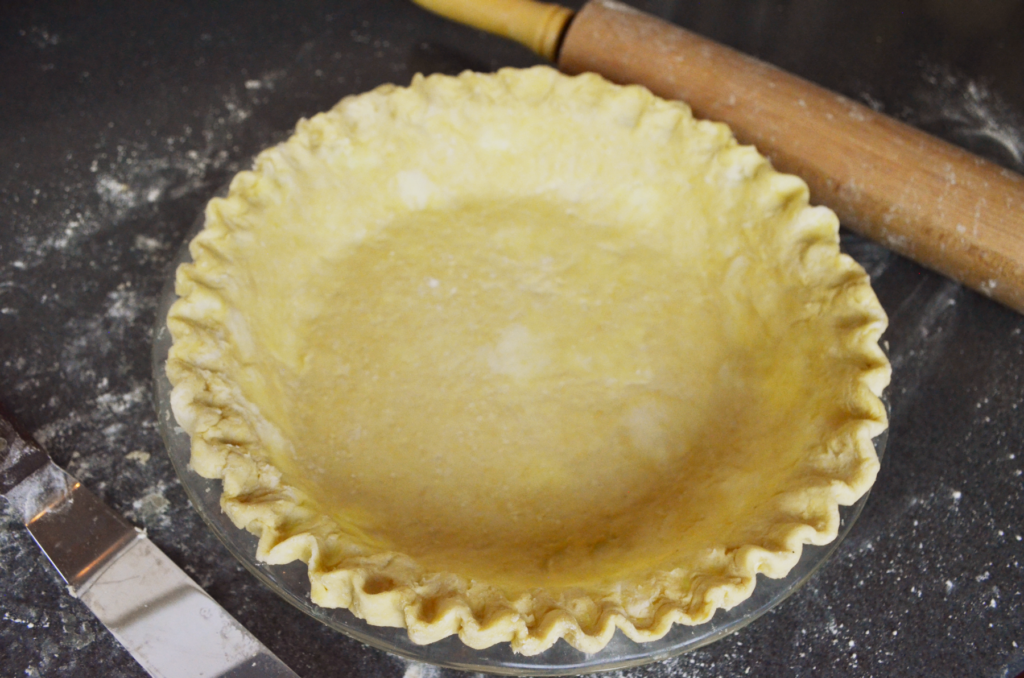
(928,200)
(167,622)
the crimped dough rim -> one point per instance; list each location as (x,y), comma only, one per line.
(391,589)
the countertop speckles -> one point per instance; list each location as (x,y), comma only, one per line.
(118,121)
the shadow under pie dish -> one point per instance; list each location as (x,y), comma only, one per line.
(523,357)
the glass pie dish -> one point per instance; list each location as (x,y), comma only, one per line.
(292,584)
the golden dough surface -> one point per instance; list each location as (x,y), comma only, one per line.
(525,356)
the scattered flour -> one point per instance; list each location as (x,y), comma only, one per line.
(123,304)
(420,670)
(128,174)
(40,37)
(267,81)
(147,244)
(120,403)
(115,192)
(151,506)
(138,456)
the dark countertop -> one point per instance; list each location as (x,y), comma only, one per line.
(119,120)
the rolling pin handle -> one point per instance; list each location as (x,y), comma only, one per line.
(537,25)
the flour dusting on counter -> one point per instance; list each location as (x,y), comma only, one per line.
(421,670)
(974,115)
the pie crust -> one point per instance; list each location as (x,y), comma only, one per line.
(523,357)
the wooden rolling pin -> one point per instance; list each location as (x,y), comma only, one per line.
(922,197)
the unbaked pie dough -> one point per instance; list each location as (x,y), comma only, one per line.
(523,356)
